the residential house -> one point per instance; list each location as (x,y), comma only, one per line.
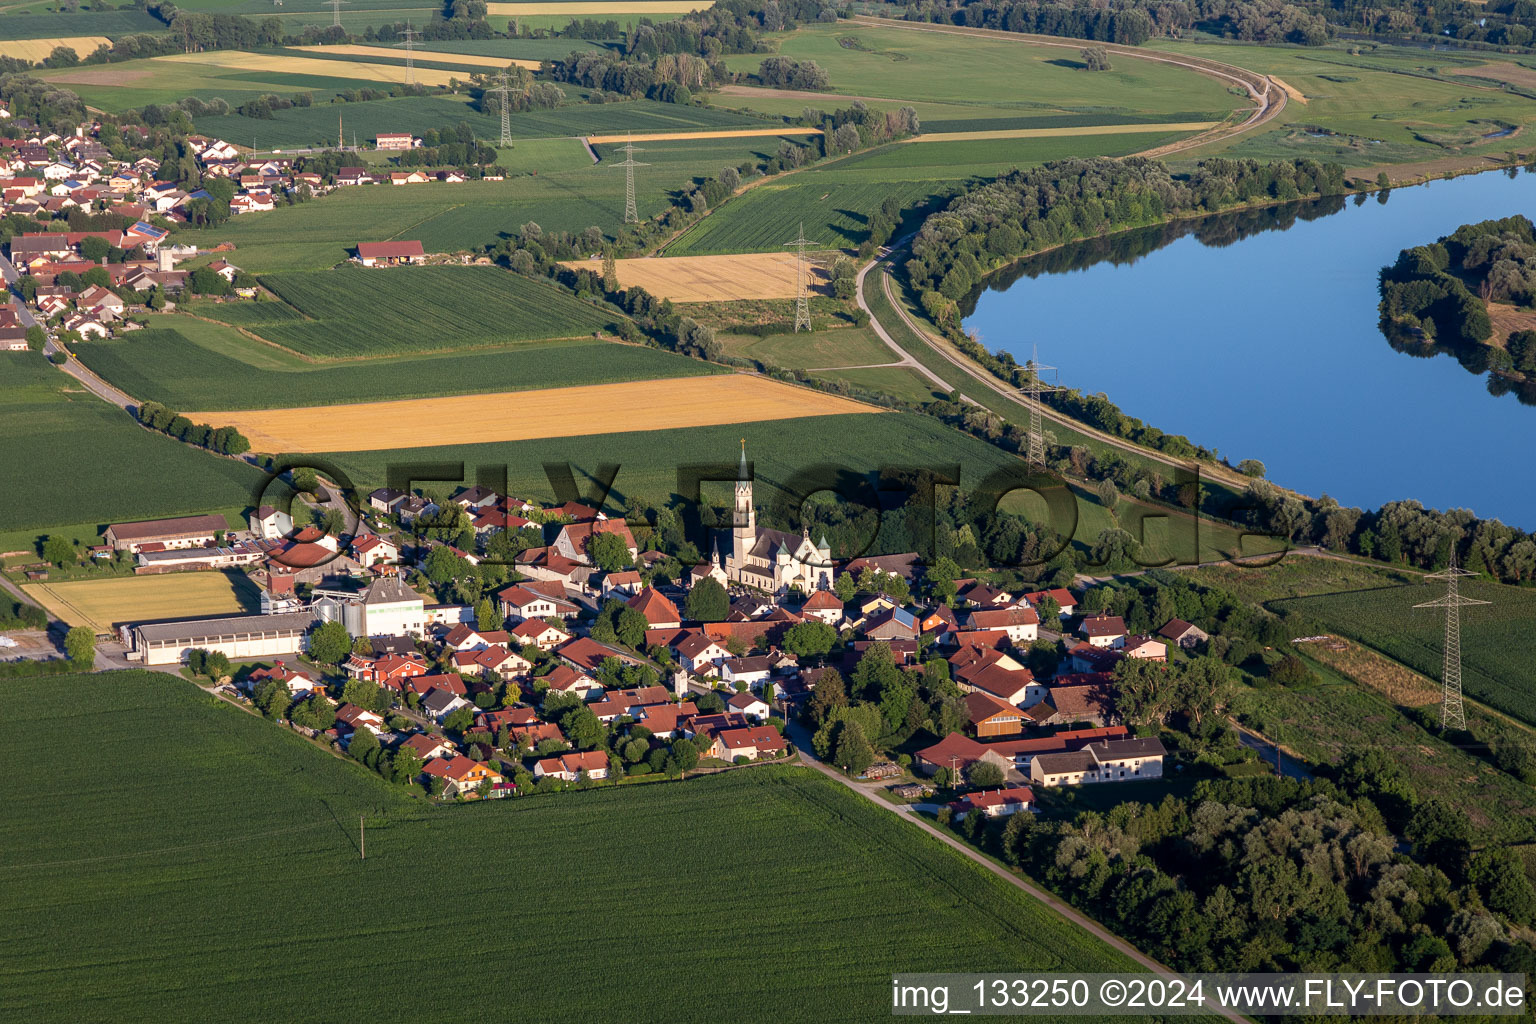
(568,679)
(352,718)
(699,653)
(750,742)
(749,704)
(824,606)
(1103,631)
(623,585)
(427,746)
(297,682)
(659,612)
(439,704)
(461,776)
(573,539)
(1086,702)
(995,804)
(269,523)
(891,624)
(371,550)
(386,499)
(1146,648)
(570,766)
(1022,625)
(1134,758)
(394,140)
(1185,634)
(539,633)
(751,671)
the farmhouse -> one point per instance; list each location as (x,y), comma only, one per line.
(183,532)
(388,254)
(236,636)
(1106,761)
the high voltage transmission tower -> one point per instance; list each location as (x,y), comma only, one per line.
(1452,715)
(1032,392)
(802,279)
(631,215)
(410,55)
(335,6)
(504,90)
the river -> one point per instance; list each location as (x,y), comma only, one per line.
(1256,334)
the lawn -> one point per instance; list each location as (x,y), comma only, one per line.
(203,864)
(193,364)
(1495,640)
(70,458)
(102,604)
(361,312)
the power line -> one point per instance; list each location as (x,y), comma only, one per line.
(631,215)
(802,245)
(505,92)
(1452,715)
(410,54)
(335,6)
(1033,391)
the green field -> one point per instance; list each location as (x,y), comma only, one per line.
(133,83)
(303,126)
(163,889)
(359,312)
(1384,105)
(834,215)
(1495,640)
(69,457)
(845,346)
(1321,723)
(192,364)
(112,24)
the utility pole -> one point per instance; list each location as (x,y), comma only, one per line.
(504,90)
(335,6)
(410,53)
(631,215)
(802,279)
(1452,715)
(362,839)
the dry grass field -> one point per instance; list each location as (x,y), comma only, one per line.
(1500,71)
(37,49)
(102,604)
(758,275)
(1290,90)
(467,59)
(612,8)
(1398,683)
(739,133)
(531,415)
(1056,133)
(241,61)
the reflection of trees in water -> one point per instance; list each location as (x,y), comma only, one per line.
(1473,358)
(1216,230)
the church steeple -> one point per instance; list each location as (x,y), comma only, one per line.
(743,516)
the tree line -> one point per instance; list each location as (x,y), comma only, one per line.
(224,440)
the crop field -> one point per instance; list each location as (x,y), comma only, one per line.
(740,133)
(894,63)
(523,49)
(1063,132)
(112,24)
(1496,645)
(436,56)
(391,311)
(38,49)
(1322,722)
(599,8)
(103,604)
(134,83)
(768,275)
(526,415)
(69,457)
(188,362)
(845,346)
(180,869)
(833,215)
(244,61)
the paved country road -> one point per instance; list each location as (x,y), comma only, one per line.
(800,736)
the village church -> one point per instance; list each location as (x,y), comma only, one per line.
(770,560)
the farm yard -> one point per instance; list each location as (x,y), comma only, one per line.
(635,406)
(712,278)
(71,458)
(180,862)
(1495,660)
(102,604)
(362,312)
(184,362)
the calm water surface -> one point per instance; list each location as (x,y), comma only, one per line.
(1256,335)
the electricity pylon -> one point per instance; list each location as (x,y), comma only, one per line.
(631,215)
(1035,389)
(802,279)
(335,6)
(1452,716)
(410,55)
(504,90)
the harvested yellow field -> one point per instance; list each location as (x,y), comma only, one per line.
(530,415)
(37,49)
(242,61)
(103,604)
(758,275)
(1055,133)
(1500,71)
(1290,90)
(468,59)
(613,8)
(739,133)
